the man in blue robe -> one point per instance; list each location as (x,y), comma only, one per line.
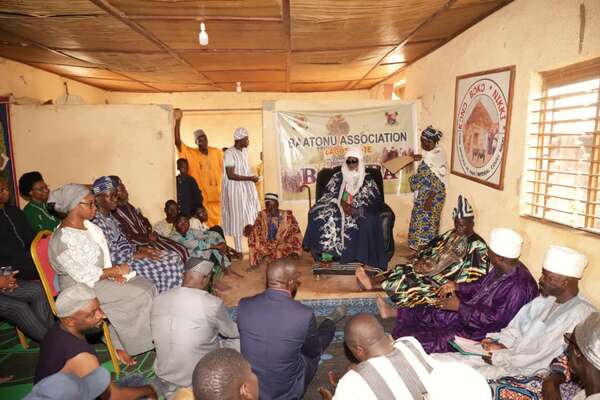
(345,224)
(471,310)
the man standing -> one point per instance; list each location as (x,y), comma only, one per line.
(205,166)
(473,309)
(274,235)
(239,199)
(279,335)
(187,323)
(534,337)
(64,348)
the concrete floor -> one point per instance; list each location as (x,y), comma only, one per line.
(311,287)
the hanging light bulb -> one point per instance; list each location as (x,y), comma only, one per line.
(203,36)
(238,87)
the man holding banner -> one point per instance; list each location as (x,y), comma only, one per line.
(344,224)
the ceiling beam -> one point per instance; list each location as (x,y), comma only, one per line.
(121,16)
(287,30)
(447,5)
(202,18)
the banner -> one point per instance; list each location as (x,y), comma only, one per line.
(312,140)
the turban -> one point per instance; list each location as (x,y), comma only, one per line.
(115,180)
(102,185)
(463,209)
(73,298)
(27,180)
(271,197)
(199,265)
(240,133)
(67,197)
(565,261)
(506,242)
(587,335)
(432,134)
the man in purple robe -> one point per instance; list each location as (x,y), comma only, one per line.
(473,309)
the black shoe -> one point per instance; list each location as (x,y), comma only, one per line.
(338,314)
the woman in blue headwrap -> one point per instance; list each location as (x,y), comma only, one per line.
(429,187)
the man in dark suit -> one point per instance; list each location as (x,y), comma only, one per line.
(279,335)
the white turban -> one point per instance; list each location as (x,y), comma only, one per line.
(565,261)
(353,180)
(240,133)
(506,242)
(67,197)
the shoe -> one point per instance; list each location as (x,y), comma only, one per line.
(338,314)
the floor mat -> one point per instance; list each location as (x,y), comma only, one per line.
(14,360)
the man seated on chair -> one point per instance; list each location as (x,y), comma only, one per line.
(64,349)
(345,224)
(473,309)
(459,255)
(274,235)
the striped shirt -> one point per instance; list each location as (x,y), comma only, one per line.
(239,200)
(403,374)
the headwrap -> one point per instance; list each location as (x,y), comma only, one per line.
(463,209)
(67,197)
(200,265)
(115,180)
(353,180)
(240,133)
(587,335)
(198,133)
(437,163)
(102,185)
(564,261)
(506,242)
(73,298)
(432,134)
(27,180)
(271,197)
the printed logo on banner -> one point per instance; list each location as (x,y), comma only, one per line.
(480,129)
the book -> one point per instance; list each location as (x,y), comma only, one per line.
(467,347)
(396,164)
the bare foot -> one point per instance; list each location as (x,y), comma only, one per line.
(125,358)
(363,279)
(386,310)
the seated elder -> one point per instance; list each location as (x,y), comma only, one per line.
(274,235)
(459,255)
(33,189)
(79,253)
(136,227)
(473,309)
(16,236)
(163,267)
(344,224)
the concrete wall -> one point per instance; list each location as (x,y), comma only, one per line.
(534,35)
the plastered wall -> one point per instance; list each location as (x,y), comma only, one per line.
(534,35)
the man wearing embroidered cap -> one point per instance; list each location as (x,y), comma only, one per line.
(239,199)
(534,337)
(205,166)
(471,310)
(187,323)
(584,356)
(274,235)
(459,255)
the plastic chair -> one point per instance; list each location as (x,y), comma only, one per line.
(39,253)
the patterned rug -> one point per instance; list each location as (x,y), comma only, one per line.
(14,360)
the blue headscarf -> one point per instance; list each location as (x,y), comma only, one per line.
(102,185)
(432,134)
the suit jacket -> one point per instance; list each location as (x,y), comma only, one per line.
(276,334)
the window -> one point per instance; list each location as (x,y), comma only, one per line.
(563,149)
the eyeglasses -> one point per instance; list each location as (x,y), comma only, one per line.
(91,204)
(351,161)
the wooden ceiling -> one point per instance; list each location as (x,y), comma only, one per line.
(268,45)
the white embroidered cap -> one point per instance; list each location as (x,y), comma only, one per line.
(506,242)
(240,133)
(565,261)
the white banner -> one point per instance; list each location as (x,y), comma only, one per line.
(310,140)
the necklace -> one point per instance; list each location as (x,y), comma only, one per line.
(43,210)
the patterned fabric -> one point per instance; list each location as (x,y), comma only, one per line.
(408,288)
(199,245)
(527,388)
(425,224)
(39,217)
(351,238)
(287,239)
(136,228)
(165,273)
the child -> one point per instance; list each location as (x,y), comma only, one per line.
(189,196)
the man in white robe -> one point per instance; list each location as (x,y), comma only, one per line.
(239,199)
(534,337)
